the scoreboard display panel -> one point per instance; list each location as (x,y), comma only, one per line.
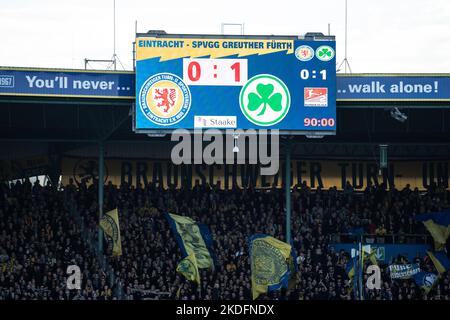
(235,82)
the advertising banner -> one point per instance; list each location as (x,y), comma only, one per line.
(323,174)
(119,84)
(403,271)
(66,83)
(390,251)
(393,87)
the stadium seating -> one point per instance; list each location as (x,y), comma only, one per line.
(39,237)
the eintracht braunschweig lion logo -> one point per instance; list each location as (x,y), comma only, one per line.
(165,99)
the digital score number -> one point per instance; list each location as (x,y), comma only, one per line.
(319,122)
(305,74)
(215,72)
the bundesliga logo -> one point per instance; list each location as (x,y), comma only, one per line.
(316,97)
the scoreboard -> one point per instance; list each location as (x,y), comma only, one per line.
(235,82)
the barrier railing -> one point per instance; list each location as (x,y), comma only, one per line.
(391,238)
(150,294)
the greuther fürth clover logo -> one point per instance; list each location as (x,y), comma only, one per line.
(265,100)
(325,53)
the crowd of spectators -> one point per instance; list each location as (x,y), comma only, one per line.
(38,237)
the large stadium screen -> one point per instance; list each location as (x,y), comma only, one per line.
(228,82)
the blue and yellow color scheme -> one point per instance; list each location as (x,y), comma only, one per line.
(224,82)
(192,238)
(387,252)
(440,261)
(70,83)
(111,230)
(66,83)
(272,263)
(438,224)
(426,280)
(189,269)
(350,268)
(393,87)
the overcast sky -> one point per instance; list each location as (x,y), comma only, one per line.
(383,35)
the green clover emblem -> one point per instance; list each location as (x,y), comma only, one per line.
(325,53)
(264,100)
(264,97)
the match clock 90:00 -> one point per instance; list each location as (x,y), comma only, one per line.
(319,122)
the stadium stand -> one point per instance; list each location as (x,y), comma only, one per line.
(38,240)
(39,237)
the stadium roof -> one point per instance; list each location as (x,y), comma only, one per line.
(65,122)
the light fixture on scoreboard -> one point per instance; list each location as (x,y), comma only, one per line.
(317,36)
(156,135)
(156,32)
(312,135)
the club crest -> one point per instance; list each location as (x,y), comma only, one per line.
(165,99)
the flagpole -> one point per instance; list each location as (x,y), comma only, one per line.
(288,190)
(100,193)
(355,283)
(353,280)
(361,267)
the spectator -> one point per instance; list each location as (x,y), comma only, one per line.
(39,237)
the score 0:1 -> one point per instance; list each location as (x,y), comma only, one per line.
(195,71)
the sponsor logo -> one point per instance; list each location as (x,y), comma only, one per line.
(316,97)
(325,53)
(6,81)
(304,53)
(165,99)
(265,100)
(215,122)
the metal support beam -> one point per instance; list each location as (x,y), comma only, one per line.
(54,172)
(288,190)
(115,127)
(361,266)
(101,165)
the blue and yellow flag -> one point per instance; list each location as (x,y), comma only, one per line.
(177,295)
(372,257)
(189,269)
(110,226)
(425,280)
(192,237)
(368,255)
(292,262)
(440,261)
(272,264)
(355,262)
(350,268)
(438,224)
